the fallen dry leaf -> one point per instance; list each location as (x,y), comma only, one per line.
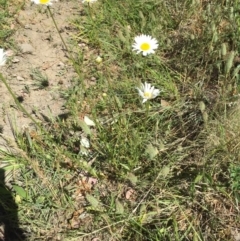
(129,193)
(164,103)
(235,234)
(95,239)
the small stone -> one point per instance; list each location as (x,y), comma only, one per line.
(26,48)
(93,79)
(27,26)
(20,78)
(82,45)
(85,142)
(15,60)
(88,121)
(9,53)
(61,64)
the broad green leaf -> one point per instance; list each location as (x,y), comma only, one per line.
(85,127)
(40,199)
(165,171)
(229,62)
(92,200)
(12,167)
(151,151)
(119,103)
(142,209)
(148,217)
(125,166)
(198,178)
(132,178)
(119,207)
(20,191)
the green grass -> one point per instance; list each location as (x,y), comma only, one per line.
(5,28)
(169,172)
(7,11)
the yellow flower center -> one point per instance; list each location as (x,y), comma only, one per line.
(44,1)
(145,46)
(147,95)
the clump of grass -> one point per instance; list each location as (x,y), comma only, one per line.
(4,16)
(165,174)
(41,81)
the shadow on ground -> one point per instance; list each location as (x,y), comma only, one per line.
(9,228)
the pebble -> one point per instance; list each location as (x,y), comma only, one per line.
(15,60)
(61,65)
(27,26)
(82,45)
(20,78)
(26,48)
(9,53)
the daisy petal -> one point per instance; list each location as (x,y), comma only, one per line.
(3,57)
(147,92)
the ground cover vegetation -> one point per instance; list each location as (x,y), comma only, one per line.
(123,164)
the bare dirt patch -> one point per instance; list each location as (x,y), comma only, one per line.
(39,49)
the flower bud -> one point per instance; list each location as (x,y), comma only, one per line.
(99,59)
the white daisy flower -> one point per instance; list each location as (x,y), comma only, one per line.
(148,92)
(89,1)
(3,57)
(145,44)
(44,2)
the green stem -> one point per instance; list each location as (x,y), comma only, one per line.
(147,112)
(17,102)
(90,12)
(66,48)
(93,23)
(55,24)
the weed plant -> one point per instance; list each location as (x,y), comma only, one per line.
(167,169)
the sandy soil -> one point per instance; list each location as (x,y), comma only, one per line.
(38,48)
